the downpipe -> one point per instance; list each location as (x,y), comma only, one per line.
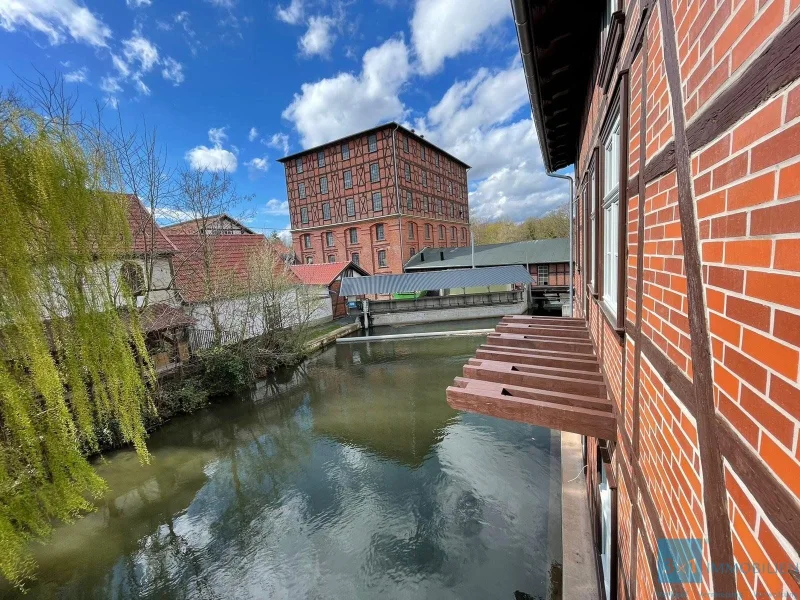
(571,234)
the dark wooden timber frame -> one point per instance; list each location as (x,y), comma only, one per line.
(613,45)
(592,205)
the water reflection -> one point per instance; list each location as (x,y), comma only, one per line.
(349,477)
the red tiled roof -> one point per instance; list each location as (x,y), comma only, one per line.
(323,273)
(230,257)
(158,317)
(143,228)
(193,226)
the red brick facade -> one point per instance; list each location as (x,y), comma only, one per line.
(423,199)
(701,358)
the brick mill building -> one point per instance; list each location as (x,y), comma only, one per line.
(375,198)
(680,368)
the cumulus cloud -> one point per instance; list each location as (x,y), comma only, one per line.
(215,158)
(442,29)
(276,207)
(331,108)
(253,134)
(279,141)
(291,14)
(138,49)
(172,71)
(59,20)
(485,122)
(257,166)
(78,76)
(319,37)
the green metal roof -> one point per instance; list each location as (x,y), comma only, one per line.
(491,255)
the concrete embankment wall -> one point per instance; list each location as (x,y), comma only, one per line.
(447,314)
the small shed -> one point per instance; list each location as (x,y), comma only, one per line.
(330,276)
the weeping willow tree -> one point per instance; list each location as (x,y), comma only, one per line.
(72,357)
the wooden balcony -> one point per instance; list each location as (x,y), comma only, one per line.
(538,370)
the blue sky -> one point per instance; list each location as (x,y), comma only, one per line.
(234,84)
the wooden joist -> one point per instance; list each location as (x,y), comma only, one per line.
(538,370)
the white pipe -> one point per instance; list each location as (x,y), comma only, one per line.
(472,242)
(571,258)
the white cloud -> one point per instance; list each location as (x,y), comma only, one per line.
(120,65)
(279,141)
(253,134)
(78,76)
(222,3)
(291,14)
(172,71)
(442,29)
(330,108)
(216,158)
(485,122)
(57,19)
(276,207)
(257,166)
(110,85)
(163,25)
(286,233)
(140,49)
(211,159)
(141,86)
(319,37)
(112,101)
(217,135)
(138,3)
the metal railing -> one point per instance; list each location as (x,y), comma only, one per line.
(203,339)
(441,302)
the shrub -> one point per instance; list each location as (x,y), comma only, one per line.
(224,371)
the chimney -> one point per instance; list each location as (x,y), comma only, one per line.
(421,257)
(441,255)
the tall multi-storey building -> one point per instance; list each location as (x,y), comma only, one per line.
(376,197)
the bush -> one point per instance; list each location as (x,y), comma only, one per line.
(224,372)
(187,397)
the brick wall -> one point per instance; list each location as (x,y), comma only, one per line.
(744,192)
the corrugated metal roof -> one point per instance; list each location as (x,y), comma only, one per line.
(435,280)
(514,253)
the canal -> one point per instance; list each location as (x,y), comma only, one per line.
(348,477)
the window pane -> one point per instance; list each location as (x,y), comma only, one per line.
(379,232)
(321,159)
(409,200)
(374,173)
(354,236)
(323,185)
(329,238)
(345,151)
(424,179)
(351,207)
(355,258)
(304,214)
(377,201)
(326,210)
(301,190)
(348,180)
(381,258)
(373,143)
(408,172)
(298,163)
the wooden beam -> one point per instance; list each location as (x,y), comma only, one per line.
(534,359)
(511,374)
(540,343)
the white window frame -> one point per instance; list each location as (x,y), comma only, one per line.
(380,232)
(382,259)
(329,240)
(543,275)
(345,151)
(353,235)
(298,165)
(611,233)
(321,158)
(303,215)
(372,143)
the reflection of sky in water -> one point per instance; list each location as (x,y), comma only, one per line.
(352,478)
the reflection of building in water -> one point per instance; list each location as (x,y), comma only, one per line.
(388,408)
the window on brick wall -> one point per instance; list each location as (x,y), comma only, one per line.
(411,231)
(379,233)
(309,260)
(331,258)
(301,190)
(611,233)
(441,232)
(372,143)
(591,234)
(450,187)
(355,258)
(436,159)
(453,234)
(353,235)
(326,210)
(374,173)
(329,239)
(439,208)
(409,200)
(348,180)
(381,258)
(452,210)
(423,153)
(428,231)
(377,201)
(307,240)
(438,182)
(351,207)
(424,179)
(405,143)
(303,214)
(323,185)
(463,233)
(345,151)
(298,165)
(408,172)
(543,273)
(321,158)
(412,251)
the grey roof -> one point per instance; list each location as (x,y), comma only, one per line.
(492,255)
(436,280)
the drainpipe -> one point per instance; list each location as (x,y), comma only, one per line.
(571,207)
(472,243)
(397,195)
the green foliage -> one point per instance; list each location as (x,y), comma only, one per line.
(70,363)
(184,397)
(225,371)
(554,224)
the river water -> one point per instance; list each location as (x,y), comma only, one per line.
(348,477)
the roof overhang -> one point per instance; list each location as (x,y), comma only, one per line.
(558,42)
